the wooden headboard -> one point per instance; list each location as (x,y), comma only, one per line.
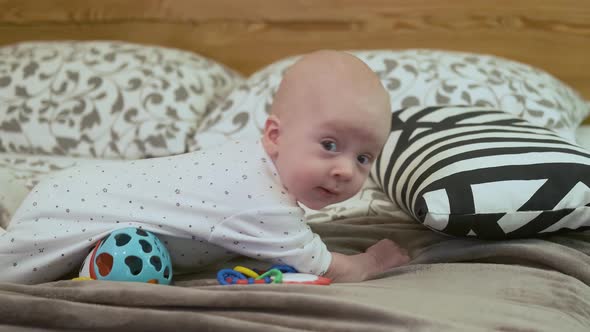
(247,34)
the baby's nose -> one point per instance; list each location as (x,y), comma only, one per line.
(343,170)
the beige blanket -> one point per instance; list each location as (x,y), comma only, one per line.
(451,285)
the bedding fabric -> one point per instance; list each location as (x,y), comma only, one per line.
(476,171)
(105,99)
(418,77)
(583,136)
(452,285)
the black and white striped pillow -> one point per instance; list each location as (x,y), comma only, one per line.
(476,171)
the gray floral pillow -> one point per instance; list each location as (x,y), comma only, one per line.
(243,113)
(420,77)
(105,99)
(430,77)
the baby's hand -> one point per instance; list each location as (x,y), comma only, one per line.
(377,259)
(387,254)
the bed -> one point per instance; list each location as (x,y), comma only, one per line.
(139,79)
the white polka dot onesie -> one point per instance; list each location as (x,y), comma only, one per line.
(205,205)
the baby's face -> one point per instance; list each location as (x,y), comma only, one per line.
(330,119)
(325,156)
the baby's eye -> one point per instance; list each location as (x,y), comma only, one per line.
(363,159)
(329,145)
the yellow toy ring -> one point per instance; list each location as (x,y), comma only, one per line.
(246,271)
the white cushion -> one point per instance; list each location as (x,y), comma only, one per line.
(105,99)
(477,171)
(420,78)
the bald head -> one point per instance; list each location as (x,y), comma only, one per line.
(328,74)
(330,119)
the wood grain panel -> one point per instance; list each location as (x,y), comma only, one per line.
(248,34)
(566,11)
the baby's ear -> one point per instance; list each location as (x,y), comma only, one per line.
(271,135)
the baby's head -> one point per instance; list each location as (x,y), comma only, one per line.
(329,120)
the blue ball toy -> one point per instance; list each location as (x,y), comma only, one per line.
(130,254)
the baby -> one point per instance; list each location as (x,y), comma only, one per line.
(328,122)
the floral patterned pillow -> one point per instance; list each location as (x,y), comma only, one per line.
(244,111)
(105,99)
(420,78)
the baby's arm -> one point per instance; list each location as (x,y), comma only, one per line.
(377,259)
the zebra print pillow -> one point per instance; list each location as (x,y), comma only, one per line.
(476,171)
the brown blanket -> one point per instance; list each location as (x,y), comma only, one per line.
(452,284)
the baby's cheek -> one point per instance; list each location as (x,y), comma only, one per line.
(306,170)
(298,177)
(359,183)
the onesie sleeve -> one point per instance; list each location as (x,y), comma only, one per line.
(279,235)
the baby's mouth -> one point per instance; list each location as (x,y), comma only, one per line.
(327,191)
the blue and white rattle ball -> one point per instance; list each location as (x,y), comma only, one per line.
(129,254)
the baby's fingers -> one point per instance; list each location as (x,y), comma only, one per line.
(388,254)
